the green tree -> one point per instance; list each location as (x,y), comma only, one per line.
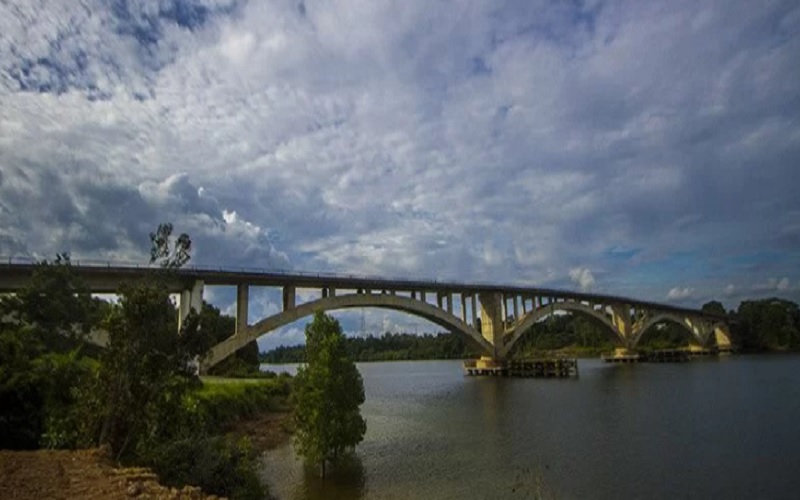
(327,394)
(714,307)
(146,367)
(244,362)
(52,313)
(148,364)
(167,253)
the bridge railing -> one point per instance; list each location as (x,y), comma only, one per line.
(410,282)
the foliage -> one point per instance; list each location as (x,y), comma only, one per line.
(138,398)
(666,335)
(389,347)
(222,401)
(21,398)
(244,362)
(219,465)
(68,402)
(145,369)
(562,331)
(714,307)
(772,324)
(167,253)
(327,394)
(53,311)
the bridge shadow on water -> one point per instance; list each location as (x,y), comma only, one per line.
(345,480)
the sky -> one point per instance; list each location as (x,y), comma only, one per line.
(646,149)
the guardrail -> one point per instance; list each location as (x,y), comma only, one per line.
(406,281)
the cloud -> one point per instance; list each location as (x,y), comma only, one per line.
(505,143)
(680,294)
(773,284)
(583,277)
(729,290)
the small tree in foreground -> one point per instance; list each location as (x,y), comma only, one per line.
(327,394)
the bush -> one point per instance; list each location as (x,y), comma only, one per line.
(218,465)
(223,401)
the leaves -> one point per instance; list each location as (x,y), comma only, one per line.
(328,392)
(169,255)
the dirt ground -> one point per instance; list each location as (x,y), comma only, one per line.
(89,474)
(57,474)
(266,431)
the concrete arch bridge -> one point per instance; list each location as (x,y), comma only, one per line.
(491,317)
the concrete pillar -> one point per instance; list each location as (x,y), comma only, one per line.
(331,292)
(723,338)
(242,303)
(191,300)
(524,305)
(621,319)
(504,307)
(463,308)
(448,300)
(413,294)
(289,298)
(492,326)
(516,308)
(439,299)
(475,310)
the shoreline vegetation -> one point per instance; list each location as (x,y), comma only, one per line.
(255,411)
(139,399)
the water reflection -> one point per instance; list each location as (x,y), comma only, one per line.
(344,480)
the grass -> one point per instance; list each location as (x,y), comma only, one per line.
(223,401)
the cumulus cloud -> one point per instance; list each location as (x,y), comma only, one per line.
(504,143)
(583,277)
(679,294)
(773,284)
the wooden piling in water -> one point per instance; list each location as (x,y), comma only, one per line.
(527,368)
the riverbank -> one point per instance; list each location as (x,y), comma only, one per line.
(243,416)
(86,474)
(265,431)
(91,474)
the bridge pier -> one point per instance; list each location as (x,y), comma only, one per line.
(492,323)
(289,298)
(242,307)
(191,300)
(722,337)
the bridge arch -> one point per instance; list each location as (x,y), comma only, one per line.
(382,301)
(528,320)
(694,333)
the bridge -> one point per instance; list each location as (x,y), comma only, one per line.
(491,317)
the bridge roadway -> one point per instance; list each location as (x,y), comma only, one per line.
(492,316)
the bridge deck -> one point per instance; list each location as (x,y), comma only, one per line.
(106,278)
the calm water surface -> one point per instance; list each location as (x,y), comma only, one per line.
(727,428)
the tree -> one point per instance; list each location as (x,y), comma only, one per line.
(51,313)
(148,364)
(245,361)
(327,394)
(169,254)
(714,307)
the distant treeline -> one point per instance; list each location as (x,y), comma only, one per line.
(757,325)
(767,325)
(389,347)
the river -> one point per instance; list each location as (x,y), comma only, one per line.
(717,428)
